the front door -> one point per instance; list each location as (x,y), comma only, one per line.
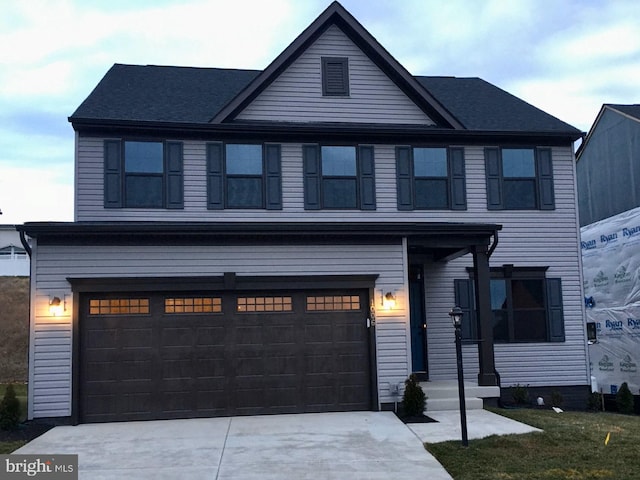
(418,322)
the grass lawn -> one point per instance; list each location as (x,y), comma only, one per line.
(572,446)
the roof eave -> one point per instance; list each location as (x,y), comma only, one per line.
(250,229)
(286,130)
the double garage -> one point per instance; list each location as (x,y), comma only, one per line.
(163,354)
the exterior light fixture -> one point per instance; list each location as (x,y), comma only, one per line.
(389,301)
(456,318)
(57,306)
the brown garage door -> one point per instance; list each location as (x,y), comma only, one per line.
(159,356)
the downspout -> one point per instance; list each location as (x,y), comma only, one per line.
(25,244)
(494,245)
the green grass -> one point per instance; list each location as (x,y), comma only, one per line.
(572,446)
(10,447)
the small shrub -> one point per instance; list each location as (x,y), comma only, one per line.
(594,402)
(520,395)
(414,400)
(556,399)
(9,410)
(624,399)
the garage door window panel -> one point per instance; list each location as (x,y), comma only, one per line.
(193,305)
(333,303)
(119,306)
(264,304)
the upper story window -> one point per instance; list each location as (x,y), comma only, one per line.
(339,177)
(526,306)
(243,176)
(143,174)
(431,178)
(335,76)
(519,179)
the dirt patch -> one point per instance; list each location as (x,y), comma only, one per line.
(14,325)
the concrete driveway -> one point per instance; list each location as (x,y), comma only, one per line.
(355,445)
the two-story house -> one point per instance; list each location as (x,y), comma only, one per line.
(293,239)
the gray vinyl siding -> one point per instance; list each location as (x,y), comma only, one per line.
(296,95)
(536,238)
(528,238)
(51,351)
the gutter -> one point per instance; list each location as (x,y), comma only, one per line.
(25,244)
(288,130)
(494,245)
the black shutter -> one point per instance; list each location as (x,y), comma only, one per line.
(555,314)
(215,176)
(366,171)
(273,177)
(311,166)
(112,174)
(404,178)
(174,168)
(493,171)
(457,178)
(465,300)
(545,179)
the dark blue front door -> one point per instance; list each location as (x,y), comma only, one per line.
(418,321)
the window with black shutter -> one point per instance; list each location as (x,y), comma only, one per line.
(526,306)
(143,174)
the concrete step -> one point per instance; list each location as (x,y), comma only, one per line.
(442,404)
(443,395)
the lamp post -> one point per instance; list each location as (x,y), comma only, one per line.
(456,317)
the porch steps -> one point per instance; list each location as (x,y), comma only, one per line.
(443,395)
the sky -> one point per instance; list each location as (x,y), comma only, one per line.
(567,57)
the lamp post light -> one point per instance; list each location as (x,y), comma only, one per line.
(456,317)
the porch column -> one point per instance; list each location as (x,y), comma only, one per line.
(487,375)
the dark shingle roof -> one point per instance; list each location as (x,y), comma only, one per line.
(632,110)
(163,94)
(195,95)
(480,105)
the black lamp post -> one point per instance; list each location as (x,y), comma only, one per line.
(456,317)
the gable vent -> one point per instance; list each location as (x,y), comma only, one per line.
(335,76)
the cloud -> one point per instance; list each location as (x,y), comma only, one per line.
(35,194)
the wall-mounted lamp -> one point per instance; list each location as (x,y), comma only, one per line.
(388,301)
(57,306)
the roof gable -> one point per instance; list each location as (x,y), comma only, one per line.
(297,94)
(336,15)
(629,112)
